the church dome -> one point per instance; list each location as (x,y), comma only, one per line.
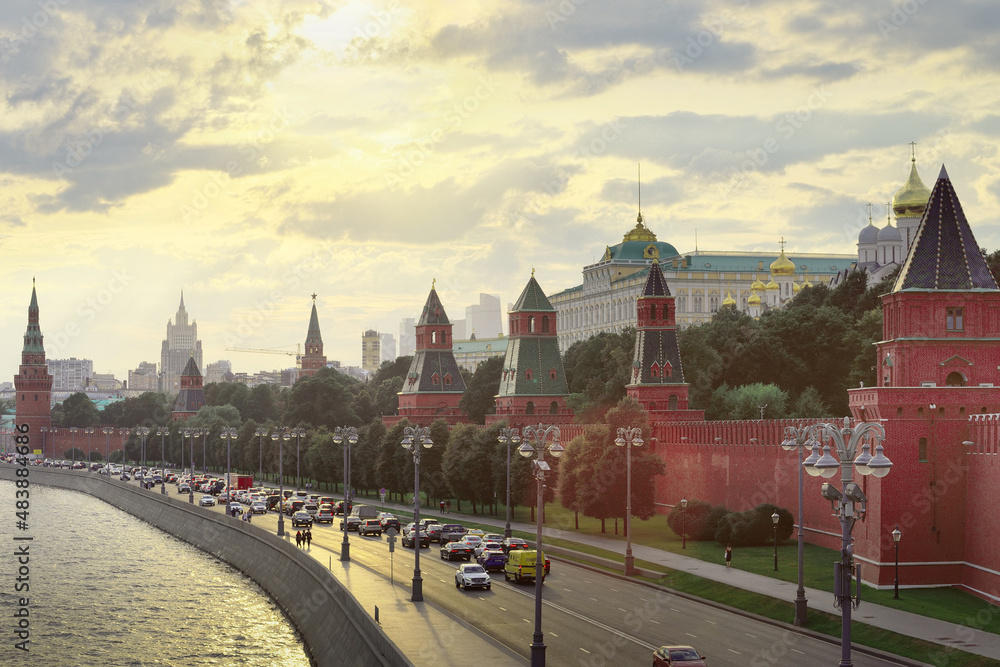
(889,234)
(754,300)
(869,234)
(729,300)
(912,198)
(639,233)
(771,286)
(796,287)
(782,266)
(757,286)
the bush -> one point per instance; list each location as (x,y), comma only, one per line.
(754,527)
(699,520)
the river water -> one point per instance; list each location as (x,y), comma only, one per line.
(108,590)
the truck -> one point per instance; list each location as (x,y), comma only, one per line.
(359,514)
(241,482)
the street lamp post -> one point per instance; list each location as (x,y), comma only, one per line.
(896,535)
(229,434)
(204,450)
(538,435)
(774,520)
(143,432)
(124,433)
(281,438)
(190,433)
(162,431)
(347,436)
(684,521)
(628,438)
(508,436)
(415,437)
(260,433)
(108,430)
(849,504)
(90,440)
(297,433)
(801,438)
(72,442)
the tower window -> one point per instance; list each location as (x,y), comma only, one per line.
(955,319)
(922,449)
(435,379)
(447,379)
(545,324)
(552,374)
(652,311)
(528,375)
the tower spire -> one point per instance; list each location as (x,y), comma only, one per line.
(639,167)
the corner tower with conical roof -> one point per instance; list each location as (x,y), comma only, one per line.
(533,385)
(657,379)
(33,383)
(191,397)
(433,386)
(313,359)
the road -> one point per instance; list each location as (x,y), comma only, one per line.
(588,618)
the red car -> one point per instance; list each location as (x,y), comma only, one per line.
(677,656)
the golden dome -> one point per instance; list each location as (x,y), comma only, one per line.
(771,286)
(754,300)
(912,198)
(639,232)
(757,286)
(782,266)
(807,284)
(796,287)
(729,300)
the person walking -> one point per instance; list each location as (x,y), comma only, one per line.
(729,556)
(298,538)
(309,538)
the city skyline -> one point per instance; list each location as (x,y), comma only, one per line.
(251,154)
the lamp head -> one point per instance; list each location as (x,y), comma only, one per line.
(556,449)
(775,518)
(896,535)
(864,458)
(638,442)
(526,450)
(880,463)
(827,465)
(810,462)
(620,441)
(684,503)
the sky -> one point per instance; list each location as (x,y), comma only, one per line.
(254,152)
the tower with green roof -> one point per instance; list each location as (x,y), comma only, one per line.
(533,385)
(33,383)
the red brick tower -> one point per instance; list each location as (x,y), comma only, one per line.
(313,359)
(33,384)
(192,394)
(434,385)
(657,376)
(937,365)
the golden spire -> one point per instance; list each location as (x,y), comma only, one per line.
(911,199)
(434,282)
(781,266)
(532,272)
(639,218)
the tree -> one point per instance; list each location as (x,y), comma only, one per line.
(262,404)
(323,399)
(146,409)
(387,396)
(364,406)
(323,461)
(597,369)
(754,527)
(745,402)
(479,398)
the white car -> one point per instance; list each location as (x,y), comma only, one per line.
(487,546)
(474,541)
(258,507)
(471,575)
(207,501)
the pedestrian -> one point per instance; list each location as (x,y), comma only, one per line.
(309,538)
(298,538)
(729,556)
(249,517)
(442,506)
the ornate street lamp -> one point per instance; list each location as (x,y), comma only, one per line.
(124,433)
(628,438)
(801,438)
(414,437)
(896,535)
(163,431)
(229,434)
(260,433)
(508,436)
(849,504)
(108,430)
(349,435)
(684,521)
(90,440)
(44,430)
(142,432)
(538,435)
(774,519)
(73,430)
(190,433)
(281,438)
(297,433)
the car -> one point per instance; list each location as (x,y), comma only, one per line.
(472,576)
(352,522)
(302,518)
(340,507)
(492,560)
(124,477)
(434,532)
(451,532)
(325,514)
(207,501)
(493,537)
(223,497)
(677,656)
(370,527)
(476,532)
(312,508)
(472,540)
(488,546)
(389,521)
(234,507)
(258,508)
(453,550)
(409,537)
(513,543)
(183,487)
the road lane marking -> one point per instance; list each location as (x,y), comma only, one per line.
(585,650)
(526,620)
(798,651)
(750,635)
(677,610)
(654,621)
(732,651)
(624,611)
(501,609)
(690,635)
(712,622)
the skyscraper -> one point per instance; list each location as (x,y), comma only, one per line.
(371,356)
(180,345)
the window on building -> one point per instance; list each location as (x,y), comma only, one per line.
(529,409)
(447,379)
(652,312)
(553,408)
(672,402)
(552,374)
(697,304)
(528,375)
(713,304)
(435,379)
(922,449)
(531,324)
(955,319)
(545,323)
(652,406)
(681,304)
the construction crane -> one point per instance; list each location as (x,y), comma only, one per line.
(297,353)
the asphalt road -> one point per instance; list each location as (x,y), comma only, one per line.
(588,618)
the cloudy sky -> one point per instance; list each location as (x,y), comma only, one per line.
(252,152)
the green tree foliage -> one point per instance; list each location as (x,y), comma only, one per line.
(479,398)
(263,404)
(699,520)
(754,527)
(74,454)
(323,399)
(465,465)
(227,393)
(809,404)
(364,406)
(397,368)
(597,370)
(96,456)
(745,402)
(364,455)
(76,410)
(391,460)
(322,459)
(387,396)
(146,409)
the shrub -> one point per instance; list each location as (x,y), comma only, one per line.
(699,520)
(754,527)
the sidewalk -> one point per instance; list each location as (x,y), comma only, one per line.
(962,637)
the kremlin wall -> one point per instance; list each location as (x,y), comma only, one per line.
(938,400)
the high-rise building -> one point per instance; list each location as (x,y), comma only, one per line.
(407,337)
(388,347)
(220,371)
(484,319)
(71,374)
(33,384)
(144,378)
(180,345)
(371,356)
